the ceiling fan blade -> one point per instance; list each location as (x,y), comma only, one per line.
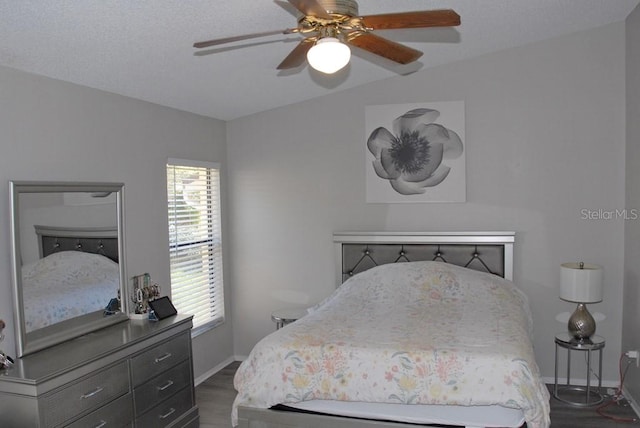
(222,41)
(310,7)
(386,48)
(428,18)
(297,56)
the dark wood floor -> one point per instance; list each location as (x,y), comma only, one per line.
(214,398)
(216,394)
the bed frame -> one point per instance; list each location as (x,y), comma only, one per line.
(358,251)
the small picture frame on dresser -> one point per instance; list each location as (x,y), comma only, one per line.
(162,307)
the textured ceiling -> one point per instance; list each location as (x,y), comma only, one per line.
(143,49)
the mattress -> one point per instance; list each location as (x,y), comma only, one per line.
(420,333)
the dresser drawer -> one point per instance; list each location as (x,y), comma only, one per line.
(86,394)
(117,414)
(162,387)
(168,411)
(159,358)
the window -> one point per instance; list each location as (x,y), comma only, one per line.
(195,241)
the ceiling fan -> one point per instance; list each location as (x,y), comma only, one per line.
(331,25)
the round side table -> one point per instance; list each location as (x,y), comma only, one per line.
(591,397)
(283,317)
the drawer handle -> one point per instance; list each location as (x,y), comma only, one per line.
(165,386)
(169,413)
(101,424)
(92,393)
(164,357)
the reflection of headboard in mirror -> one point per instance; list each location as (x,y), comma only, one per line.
(96,240)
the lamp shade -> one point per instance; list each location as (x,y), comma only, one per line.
(581,282)
(329,55)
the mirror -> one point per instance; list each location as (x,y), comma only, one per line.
(68,260)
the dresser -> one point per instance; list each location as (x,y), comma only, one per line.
(132,374)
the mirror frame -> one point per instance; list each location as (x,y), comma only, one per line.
(28,343)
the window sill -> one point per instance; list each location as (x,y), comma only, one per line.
(197,331)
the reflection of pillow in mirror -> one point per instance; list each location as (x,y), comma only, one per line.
(75,267)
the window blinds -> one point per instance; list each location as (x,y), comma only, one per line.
(195,240)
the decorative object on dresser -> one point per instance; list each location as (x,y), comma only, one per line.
(65,274)
(581,283)
(144,290)
(5,360)
(128,374)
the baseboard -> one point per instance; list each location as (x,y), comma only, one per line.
(212,371)
(581,382)
(197,381)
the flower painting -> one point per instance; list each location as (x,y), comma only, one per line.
(415,153)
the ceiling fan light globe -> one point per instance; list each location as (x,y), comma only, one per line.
(329,55)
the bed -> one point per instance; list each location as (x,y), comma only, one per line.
(441,338)
(77,265)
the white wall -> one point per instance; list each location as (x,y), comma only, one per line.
(545,138)
(631,320)
(58,131)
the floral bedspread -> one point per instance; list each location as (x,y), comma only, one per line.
(413,333)
(81,283)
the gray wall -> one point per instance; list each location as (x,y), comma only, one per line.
(545,139)
(58,131)
(631,319)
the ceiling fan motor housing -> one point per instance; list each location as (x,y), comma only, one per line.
(340,7)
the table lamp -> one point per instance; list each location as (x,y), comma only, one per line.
(581,283)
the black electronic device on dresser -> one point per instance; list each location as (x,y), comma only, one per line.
(132,374)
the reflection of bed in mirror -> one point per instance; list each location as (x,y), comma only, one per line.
(78,265)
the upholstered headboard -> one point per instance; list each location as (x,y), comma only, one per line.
(485,251)
(96,240)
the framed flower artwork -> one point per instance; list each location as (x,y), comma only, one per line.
(415,152)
